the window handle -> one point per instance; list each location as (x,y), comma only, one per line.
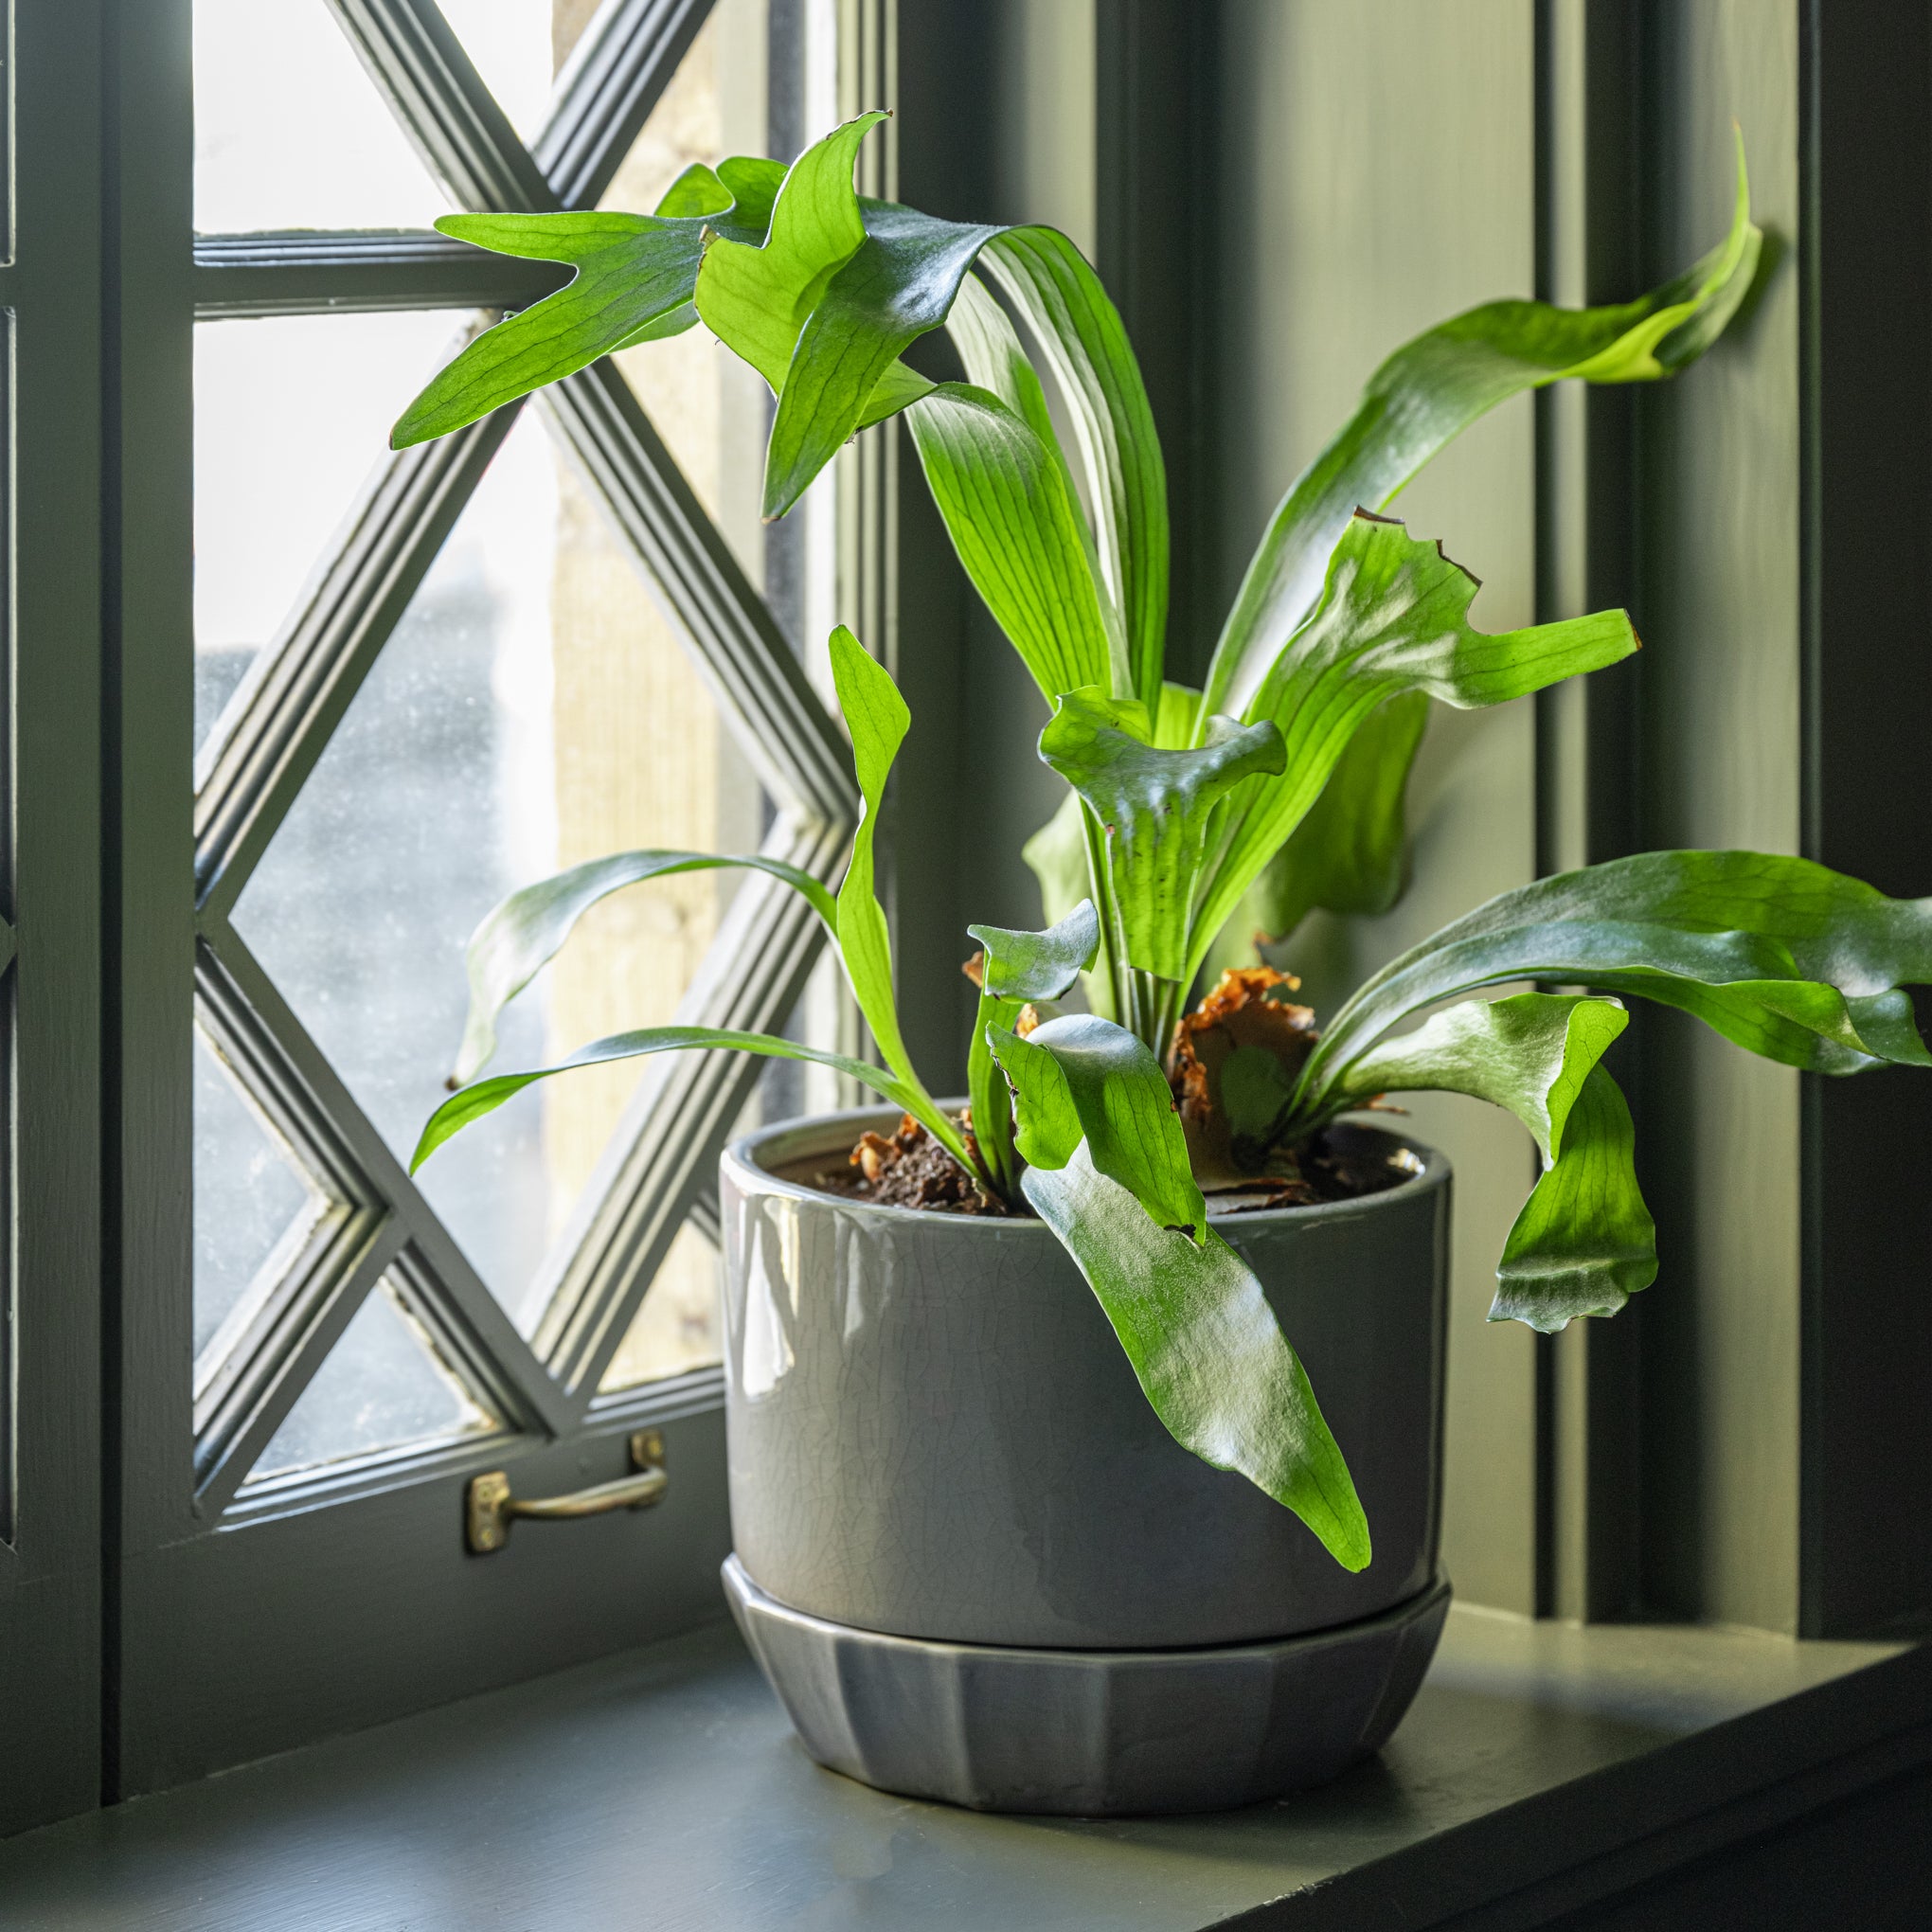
(488,1507)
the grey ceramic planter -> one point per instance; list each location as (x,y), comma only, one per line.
(934,1435)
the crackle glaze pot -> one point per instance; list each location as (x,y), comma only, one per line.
(974,1565)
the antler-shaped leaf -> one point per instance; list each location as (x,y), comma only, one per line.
(1154,808)
(526,930)
(871,297)
(896,286)
(821,291)
(1779,955)
(1019,533)
(757,294)
(1028,966)
(1531,1053)
(1015,968)
(990,348)
(1431,389)
(876,716)
(1393,619)
(1080,334)
(1109,1175)
(1082,1078)
(635,277)
(518,933)
(485,1096)
(1584,1241)
(1057,853)
(774,300)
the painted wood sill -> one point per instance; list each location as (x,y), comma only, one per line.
(1543,1768)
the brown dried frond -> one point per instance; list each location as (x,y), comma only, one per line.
(1246,1009)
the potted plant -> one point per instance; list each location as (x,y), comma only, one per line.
(975,1559)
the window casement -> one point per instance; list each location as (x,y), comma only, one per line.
(470,688)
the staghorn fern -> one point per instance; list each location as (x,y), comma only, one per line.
(1275,789)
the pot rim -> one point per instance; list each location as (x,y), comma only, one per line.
(742,1158)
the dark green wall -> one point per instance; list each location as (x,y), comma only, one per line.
(1719,609)
(1371,185)
(1328,220)
(1279,191)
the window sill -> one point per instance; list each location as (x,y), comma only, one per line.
(1542,1770)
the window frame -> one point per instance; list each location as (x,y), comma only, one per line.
(358,1574)
(50,1161)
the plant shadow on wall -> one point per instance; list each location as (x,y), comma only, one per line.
(1195,819)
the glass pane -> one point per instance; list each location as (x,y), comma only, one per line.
(278,463)
(290,131)
(532,711)
(516,45)
(249,1196)
(678,1326)
(383,1385)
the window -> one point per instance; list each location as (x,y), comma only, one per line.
(407,684)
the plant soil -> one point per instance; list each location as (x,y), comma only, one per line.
(911,1169)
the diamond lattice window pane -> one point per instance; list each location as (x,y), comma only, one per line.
(251,1203)
(278,464)
(679,1326)
(533,709)
(384,1386)
(290,132)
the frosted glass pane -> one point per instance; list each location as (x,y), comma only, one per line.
(532,709)
(289,417)
(383,1386)
(515,46)
(248,1197)
(290,131)
(678,1326)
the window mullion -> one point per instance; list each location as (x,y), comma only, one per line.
(615,73)
(234,1427)
(430,81)
(251,277)
(254,1009)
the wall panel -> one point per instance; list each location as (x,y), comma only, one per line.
(1368,184)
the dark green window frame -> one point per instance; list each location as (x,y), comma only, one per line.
(52,1476)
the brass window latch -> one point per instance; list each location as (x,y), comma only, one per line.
(488,1505)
